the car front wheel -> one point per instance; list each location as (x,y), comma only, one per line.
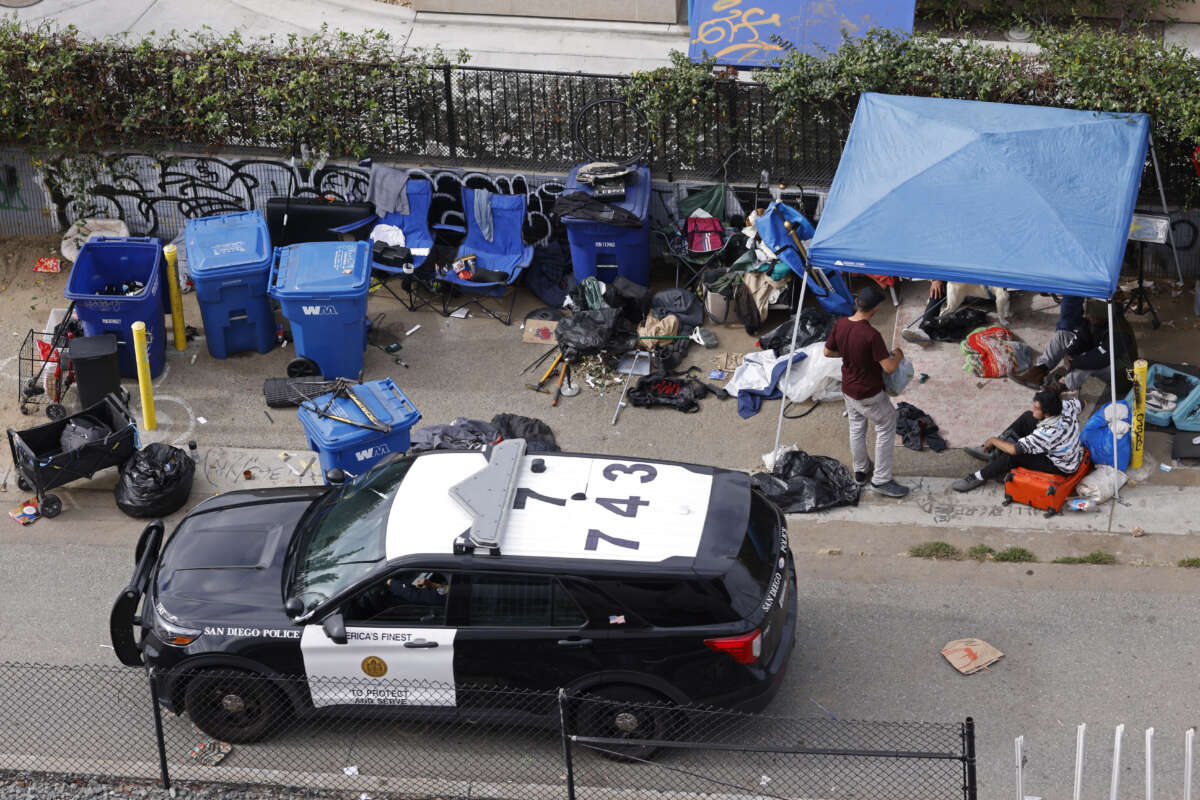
(235,706)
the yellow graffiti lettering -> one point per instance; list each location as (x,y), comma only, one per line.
(727,28)
(721,5)
(748,50)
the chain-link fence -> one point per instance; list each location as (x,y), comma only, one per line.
(393,738)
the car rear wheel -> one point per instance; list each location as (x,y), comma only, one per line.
(235,706)
(623,712)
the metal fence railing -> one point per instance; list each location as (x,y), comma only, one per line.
(406,739)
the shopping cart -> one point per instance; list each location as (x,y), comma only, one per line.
(42,464)
(42,376)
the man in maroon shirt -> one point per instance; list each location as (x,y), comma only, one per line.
(864,360)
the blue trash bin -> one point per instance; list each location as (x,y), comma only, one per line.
(351,448)
(229,260)
(605,251)
(322,289)
(109,261)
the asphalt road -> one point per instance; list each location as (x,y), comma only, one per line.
(1101,645)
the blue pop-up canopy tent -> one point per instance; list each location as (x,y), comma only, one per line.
(1024,197)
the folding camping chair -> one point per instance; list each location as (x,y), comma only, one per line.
(417,237)
(783,229)
(499,259)
(695,242)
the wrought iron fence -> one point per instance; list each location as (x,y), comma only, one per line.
(409,739)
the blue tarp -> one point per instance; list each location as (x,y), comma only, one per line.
(1023,197)
(755,34)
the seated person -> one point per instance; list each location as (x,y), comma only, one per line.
(1080,343)
(1045,439)
(428,588)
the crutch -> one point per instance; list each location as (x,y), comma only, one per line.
(621,403)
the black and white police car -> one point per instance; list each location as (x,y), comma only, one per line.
(634,580)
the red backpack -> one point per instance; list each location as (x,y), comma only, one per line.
(703,234)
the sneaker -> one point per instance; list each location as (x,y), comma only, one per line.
(865,475)
(889,489)
(967,484)
(1032,377)
(981,453)
(915,336)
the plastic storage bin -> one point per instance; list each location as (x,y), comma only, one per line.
(351,448)
(1187,414)
(605,251)
(322,289)
(229,261)
(1153,375)
(108,260)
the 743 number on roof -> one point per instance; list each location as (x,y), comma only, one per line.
(621,506)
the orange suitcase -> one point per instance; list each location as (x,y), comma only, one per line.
(1042,489)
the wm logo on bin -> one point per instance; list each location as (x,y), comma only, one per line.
(372,452)
(314,311)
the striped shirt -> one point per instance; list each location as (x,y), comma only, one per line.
(1058,438)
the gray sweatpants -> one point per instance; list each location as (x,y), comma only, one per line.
(882,414)
(1056,348)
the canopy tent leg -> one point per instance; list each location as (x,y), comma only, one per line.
(1163,196)
(1112,382)
(788,371)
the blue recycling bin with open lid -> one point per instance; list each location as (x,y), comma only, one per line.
(229,260)
(350,446)
(104,285)
(604,251)
(322,289)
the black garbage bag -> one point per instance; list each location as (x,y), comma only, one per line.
(815,325)
(537,434)
(155,482)
(586,333)
(801,483)
(955,326)
(80,431)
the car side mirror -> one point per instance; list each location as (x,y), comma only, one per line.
(335,628)
(293,606)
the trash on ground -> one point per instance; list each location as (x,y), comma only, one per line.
(46,264)
(1138,532)
(459,313)
(210,752)
(970,655)
(202,420)
(351,770)
(27,512)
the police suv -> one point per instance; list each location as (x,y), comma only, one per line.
(634,580)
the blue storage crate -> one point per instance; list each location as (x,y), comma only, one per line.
(1187,413)
(605,251)
(1164,418)
(229,260)
(351,448)
(322,290)
(108,260)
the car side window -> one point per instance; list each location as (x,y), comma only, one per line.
(521,601)
(403,598)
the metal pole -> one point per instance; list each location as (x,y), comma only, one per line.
(566,743)
(791,357)
(145,384)
(1163,196)
(1080,739)
(158,732)
(1149,763)
(1189,741)
(171,256)
(1112,375)
(451,123)
(969,757)
(1115,783)
(1019,751)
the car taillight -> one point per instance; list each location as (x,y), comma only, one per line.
(744,649)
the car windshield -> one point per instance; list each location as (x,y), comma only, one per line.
(344,537)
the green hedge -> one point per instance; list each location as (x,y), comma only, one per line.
(1076,68)
(327,92)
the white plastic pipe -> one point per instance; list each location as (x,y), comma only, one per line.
(791,357)
(1112,382)
(1080,739)
(1019,752)
(1115,782)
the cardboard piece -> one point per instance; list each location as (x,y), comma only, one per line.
(970,655)
(539,331)
(728,362)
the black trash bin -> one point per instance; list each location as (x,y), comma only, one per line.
(97,371)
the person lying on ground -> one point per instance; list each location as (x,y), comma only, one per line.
(1045,439)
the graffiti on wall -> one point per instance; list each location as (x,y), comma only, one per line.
(154,197)
(10,190)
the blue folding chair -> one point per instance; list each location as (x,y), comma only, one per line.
(505,255)
(417,236)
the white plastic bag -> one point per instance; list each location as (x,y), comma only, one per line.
(815,376)
(1097,485)
(896,382)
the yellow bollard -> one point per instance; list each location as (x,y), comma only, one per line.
(143,369)
(172,257)
(1139,412)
